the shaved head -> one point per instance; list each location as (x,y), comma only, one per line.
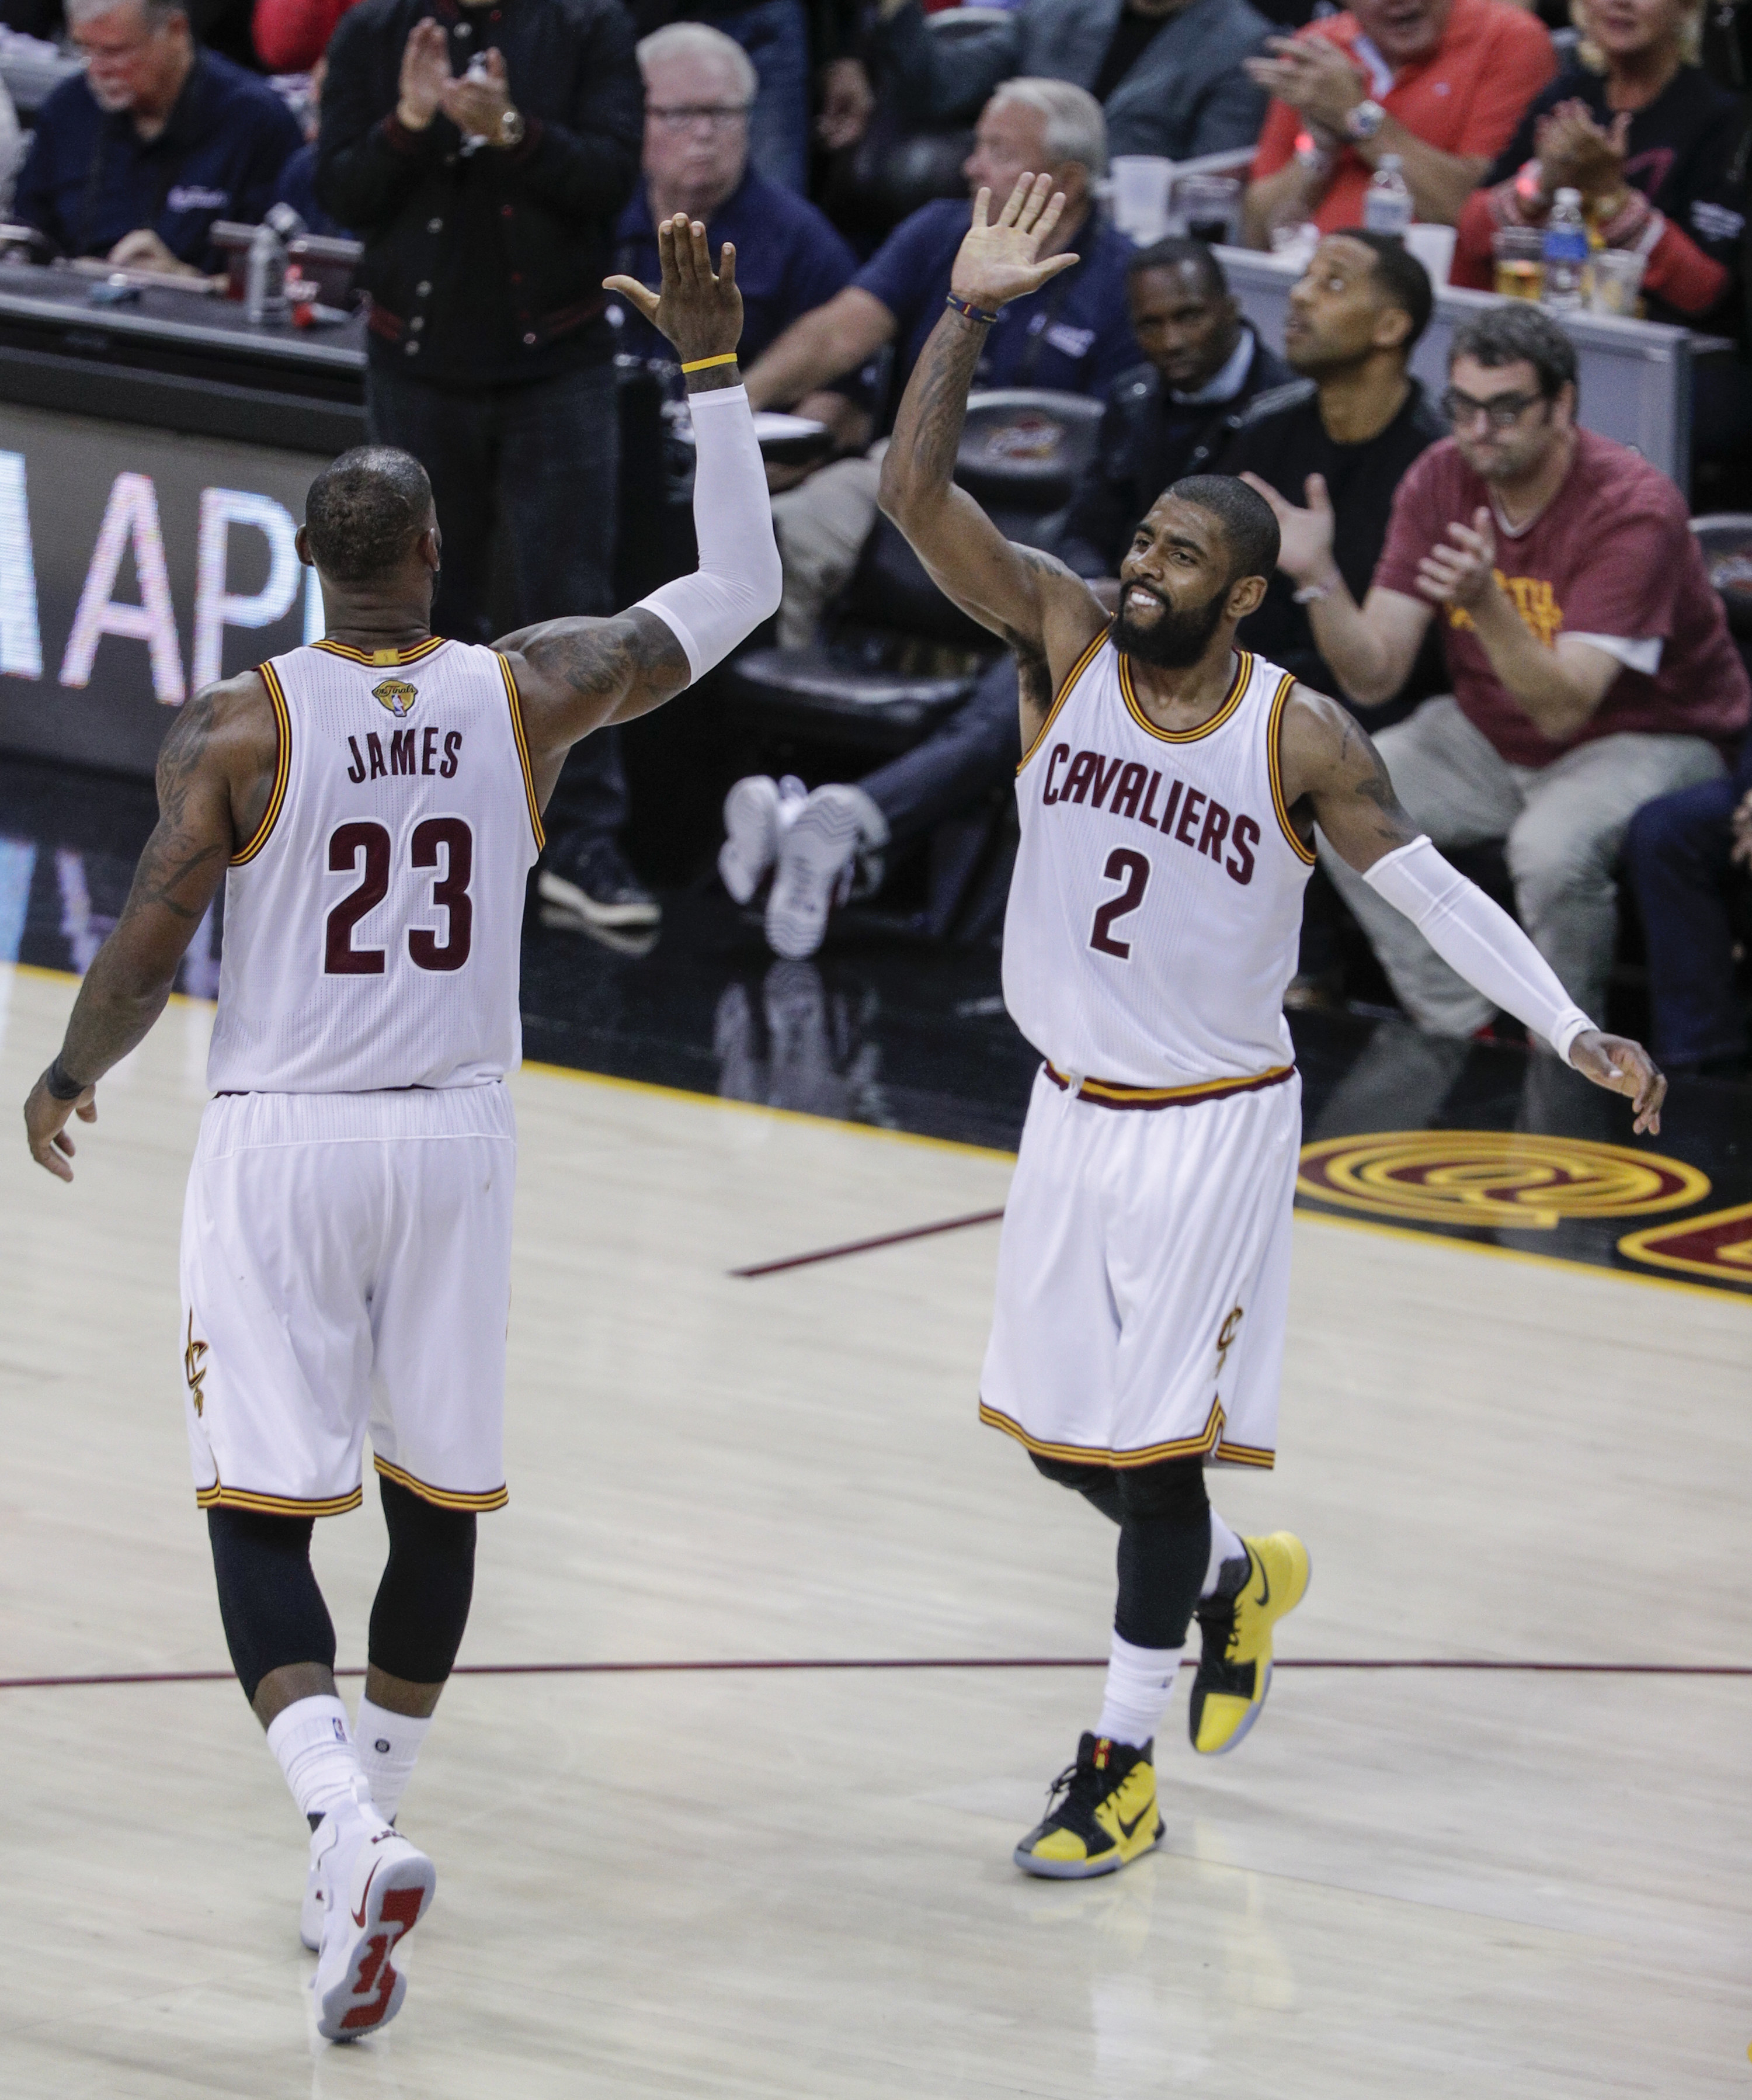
(1247,521)
(365,513)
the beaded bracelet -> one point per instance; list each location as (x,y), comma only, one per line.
(968,311)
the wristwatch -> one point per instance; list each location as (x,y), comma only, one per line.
(1363,121)
(511,128)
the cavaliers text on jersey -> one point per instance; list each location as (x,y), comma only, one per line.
(1156,909)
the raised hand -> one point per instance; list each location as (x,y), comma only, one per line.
(1304,552)
(701,313)
(425,74)
(1574,150)
(1313,76)
(1001,261)
(1622,1067)
(1460,572)
(477,105)
(849,102)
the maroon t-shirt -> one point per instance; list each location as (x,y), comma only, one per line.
(1611,554)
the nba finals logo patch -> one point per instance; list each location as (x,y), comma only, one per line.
(397,696)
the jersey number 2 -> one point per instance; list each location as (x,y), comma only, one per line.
(450,890)
(1133,871)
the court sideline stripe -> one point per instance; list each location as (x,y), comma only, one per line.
(910,1662)
(863,1247)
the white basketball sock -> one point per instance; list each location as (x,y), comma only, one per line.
(388,1744)
(310,1739)
(1139,1680)
(1224,1545)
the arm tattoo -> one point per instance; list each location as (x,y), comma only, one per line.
(611,660)
(129,979)
(170,858)
(931,434)
(1371,781)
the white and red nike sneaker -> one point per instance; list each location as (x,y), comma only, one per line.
(376,1887)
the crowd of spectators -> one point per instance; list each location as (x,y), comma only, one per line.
(1518,601)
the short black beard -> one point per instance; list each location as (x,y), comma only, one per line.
(1177,640)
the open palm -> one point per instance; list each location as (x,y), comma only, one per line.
(999,261)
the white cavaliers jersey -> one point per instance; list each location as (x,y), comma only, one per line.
(1155,909)
(372,925)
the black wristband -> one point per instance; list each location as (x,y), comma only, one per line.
(60,1087)
(968,311)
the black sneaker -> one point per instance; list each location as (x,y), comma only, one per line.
(1235,1662)
(591,886)
(1107,1814)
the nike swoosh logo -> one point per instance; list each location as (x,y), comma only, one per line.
(359,1916)
(1264,1582)
(1126,1828)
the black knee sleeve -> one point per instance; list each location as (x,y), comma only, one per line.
(422,1602)
(272,1610)
(1164,1549)
(1098,1485)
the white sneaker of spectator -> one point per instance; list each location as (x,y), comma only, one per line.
(757,813)
(817,861)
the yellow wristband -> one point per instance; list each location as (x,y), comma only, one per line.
(705,364)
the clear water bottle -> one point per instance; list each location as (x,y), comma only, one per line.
(1566,253)
(265,278)
(1387,203)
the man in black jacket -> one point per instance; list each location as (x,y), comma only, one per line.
(1205,369)
(483,151)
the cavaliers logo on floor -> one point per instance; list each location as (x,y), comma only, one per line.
(1496,1179)
(1718,1246)
(396,695)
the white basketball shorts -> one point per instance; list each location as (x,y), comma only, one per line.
(346,1267)
(1144,1279)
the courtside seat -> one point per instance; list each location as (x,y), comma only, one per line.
(1023,448)
(898,655)
(1726,538)
(863,687)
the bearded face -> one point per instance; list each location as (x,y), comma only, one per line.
(1155,629)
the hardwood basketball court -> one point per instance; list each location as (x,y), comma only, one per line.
(796,1880)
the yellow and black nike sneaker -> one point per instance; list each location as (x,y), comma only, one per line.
(1234,1663)
(1107,1817)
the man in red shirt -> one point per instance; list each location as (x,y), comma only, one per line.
(1441,83)
(1591,663)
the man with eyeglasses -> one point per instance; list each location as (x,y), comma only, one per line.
(482,151)
(134,158)
(1591,665)
(699,90)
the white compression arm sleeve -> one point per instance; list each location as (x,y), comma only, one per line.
(1478,938)
(737,583)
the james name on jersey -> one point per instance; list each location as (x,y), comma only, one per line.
(1126,788)
(412,751)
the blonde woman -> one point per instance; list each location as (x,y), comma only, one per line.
(1649,139)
